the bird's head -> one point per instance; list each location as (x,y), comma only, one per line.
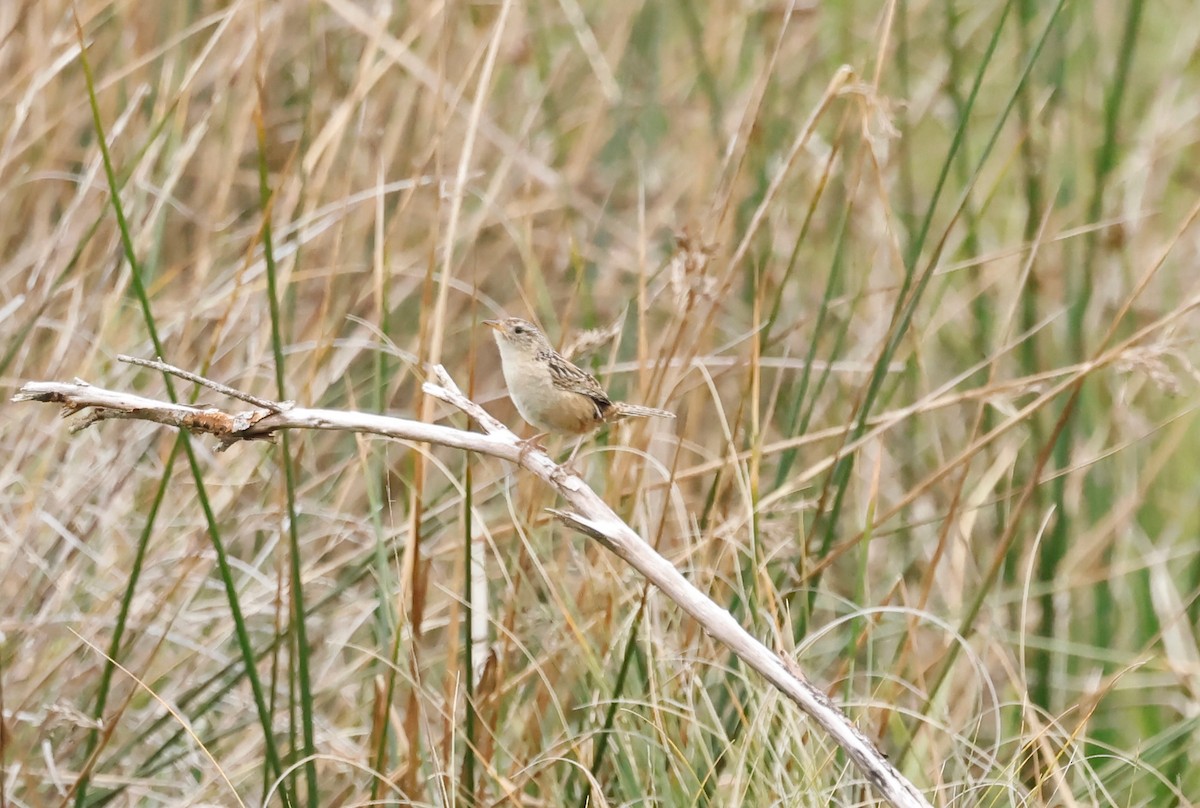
(518,333)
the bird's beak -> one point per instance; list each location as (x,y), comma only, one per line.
(495,324)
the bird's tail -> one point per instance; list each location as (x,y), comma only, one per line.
(624,410)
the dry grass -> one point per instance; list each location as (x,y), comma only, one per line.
(935,389)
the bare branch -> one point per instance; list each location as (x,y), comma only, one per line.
(266,404)
(590,515)
(259,424)
(110,404)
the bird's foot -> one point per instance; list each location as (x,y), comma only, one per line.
(530,445)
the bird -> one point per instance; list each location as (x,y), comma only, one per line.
(549,391)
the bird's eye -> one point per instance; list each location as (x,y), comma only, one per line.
(519,329)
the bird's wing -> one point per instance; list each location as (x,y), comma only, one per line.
(567,376)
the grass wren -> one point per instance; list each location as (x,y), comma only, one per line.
(550,392)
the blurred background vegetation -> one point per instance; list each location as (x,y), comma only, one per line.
(918,279)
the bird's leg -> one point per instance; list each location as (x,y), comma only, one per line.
(575,451)
(567,465)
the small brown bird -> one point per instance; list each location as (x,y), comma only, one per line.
(550,392)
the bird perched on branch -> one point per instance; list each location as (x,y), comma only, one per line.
(550,392)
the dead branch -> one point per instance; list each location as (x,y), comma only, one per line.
(589,515)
